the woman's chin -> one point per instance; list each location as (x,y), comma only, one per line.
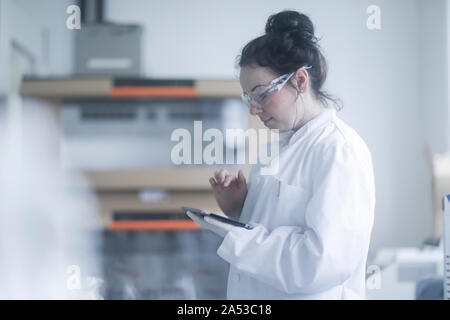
(272,125)
(269,123)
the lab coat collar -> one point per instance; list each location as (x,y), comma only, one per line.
(323,118)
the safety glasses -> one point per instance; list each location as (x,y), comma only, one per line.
(260,95)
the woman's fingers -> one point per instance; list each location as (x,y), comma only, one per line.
(228,180)
(223,178)
(221,175)
(217,176)
(212,182)
(241,178)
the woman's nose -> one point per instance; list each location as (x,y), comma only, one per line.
(255,109)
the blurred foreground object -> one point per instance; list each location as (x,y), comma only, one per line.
(440,169)
(446,239)
(47,229)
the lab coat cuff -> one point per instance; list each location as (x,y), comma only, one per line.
(225,250)
(234,242)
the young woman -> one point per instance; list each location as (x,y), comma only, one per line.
(313,218)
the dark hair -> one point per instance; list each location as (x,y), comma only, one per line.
(288,44)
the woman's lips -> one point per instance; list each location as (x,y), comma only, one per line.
(265,121)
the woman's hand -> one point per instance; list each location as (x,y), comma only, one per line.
(230,192)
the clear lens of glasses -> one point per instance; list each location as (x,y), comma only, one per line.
(259,95)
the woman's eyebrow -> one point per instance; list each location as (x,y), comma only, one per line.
(259,85)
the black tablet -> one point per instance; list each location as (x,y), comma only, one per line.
(204,213)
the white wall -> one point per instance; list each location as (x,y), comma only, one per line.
(33,25)
(388,79)
(434,59)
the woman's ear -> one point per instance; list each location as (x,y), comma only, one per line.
(301,79)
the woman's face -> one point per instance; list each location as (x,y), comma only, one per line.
(279,111)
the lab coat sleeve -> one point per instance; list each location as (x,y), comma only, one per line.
(334,241)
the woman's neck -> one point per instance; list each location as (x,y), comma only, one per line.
(313,109)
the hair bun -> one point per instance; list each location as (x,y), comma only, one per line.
(290,22)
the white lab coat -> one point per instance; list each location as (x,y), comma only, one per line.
(313,219)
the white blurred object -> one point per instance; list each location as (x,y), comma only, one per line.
(44,226)
(440,180)
(234,116)
(446,238)
(152,195)
(442,164)
(401,268)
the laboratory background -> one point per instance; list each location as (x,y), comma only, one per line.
(92,91)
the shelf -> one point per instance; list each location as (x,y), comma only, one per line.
(116,88)
(129,202)
(66,87)
(155,225)
(176,178)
